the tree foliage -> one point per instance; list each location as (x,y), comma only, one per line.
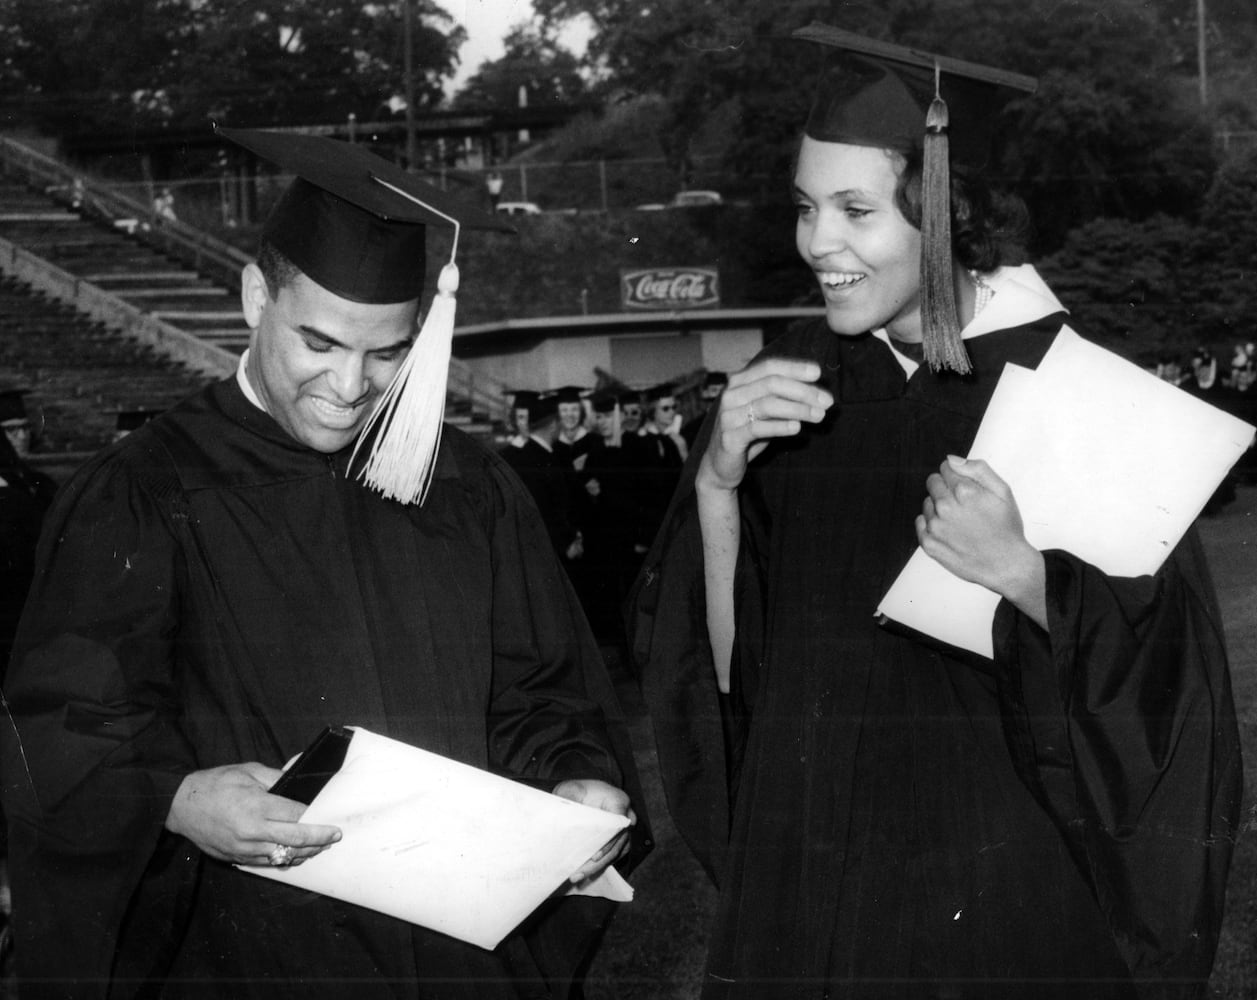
(535,64)
(1160,285)
(1115,129)
(97,65)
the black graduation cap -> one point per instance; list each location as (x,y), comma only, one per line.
(12,405)
(537,404)
(569,394)
(714,379)
(875,93)
(604,403)
(346,219)
(661,391)
(356,224)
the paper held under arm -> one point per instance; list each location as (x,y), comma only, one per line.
(1105,460)
(444,845)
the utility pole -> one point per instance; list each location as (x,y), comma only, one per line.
(409,72)
(1200,52)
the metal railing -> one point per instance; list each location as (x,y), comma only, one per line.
(103,307)
(217,260)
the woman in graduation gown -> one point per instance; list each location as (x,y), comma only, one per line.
(887,816)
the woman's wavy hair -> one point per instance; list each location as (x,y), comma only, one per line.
(989,228)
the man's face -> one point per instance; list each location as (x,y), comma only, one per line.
(631,416)
(569,416)
(521,420)
(604,424)
(19,434)
(663,412)
(319,362)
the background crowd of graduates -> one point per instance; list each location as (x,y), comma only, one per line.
(602,467)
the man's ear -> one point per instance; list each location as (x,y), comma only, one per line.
(254,294)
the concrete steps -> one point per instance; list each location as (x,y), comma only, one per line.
(77,373)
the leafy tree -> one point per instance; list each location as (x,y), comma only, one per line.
(534,62)
(1113,131)
(699,55)
(96,65)
(1131,285)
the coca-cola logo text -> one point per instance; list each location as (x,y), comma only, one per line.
(670,288)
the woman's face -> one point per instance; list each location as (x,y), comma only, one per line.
(864,253)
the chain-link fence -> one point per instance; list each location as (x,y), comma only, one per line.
(218,203)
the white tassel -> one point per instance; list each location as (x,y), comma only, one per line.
(411,412)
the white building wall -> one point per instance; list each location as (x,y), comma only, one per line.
(731,350)
(559,361)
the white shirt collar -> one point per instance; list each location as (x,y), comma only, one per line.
(1019,296)
(242,379)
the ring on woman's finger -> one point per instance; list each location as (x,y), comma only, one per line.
(281,857)
(750,413)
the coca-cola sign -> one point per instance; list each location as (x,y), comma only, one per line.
(670,288)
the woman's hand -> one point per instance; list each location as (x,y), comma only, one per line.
(772,398)
(971,525)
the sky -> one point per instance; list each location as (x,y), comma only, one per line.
(487,23)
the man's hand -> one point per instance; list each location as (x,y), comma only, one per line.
(228,813)
(971,525)
(600,795)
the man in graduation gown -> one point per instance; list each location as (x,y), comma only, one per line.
(530,453)
(887,816)
(218,587)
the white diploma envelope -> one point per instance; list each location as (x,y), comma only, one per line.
(1106,461)
(445,845)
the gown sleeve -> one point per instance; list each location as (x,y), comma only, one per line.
(553,712)
(554,715)
(699,732)
(1120,719)
(92,741)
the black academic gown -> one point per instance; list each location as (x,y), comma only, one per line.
(568,455)
(886,817)
(656,463)
(606,517)
(547,482)
(211,592)
(24,497)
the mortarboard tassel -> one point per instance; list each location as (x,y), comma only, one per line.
(411,412)
(943,346)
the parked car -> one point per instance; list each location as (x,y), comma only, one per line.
(519,208)
(695,199)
